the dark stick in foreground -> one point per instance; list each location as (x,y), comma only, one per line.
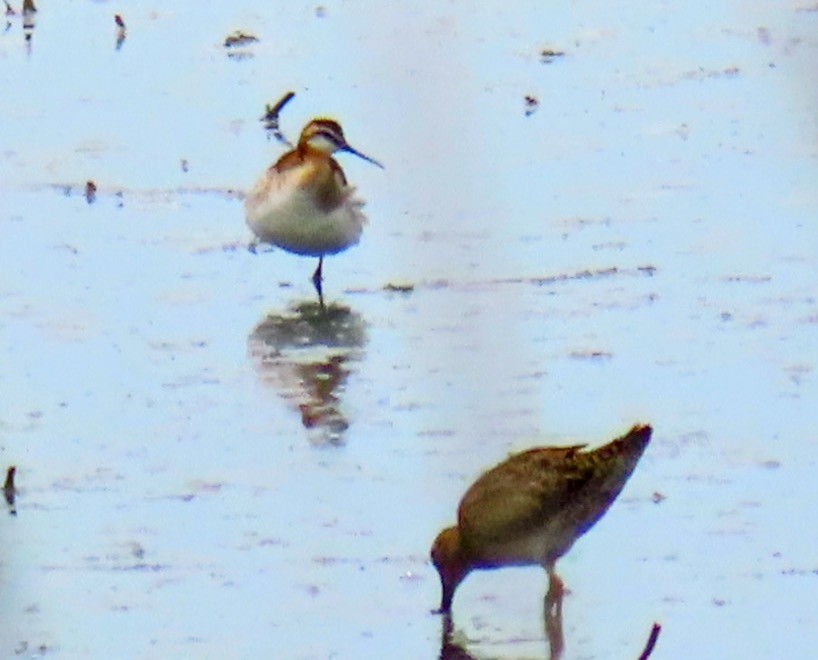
(654,635)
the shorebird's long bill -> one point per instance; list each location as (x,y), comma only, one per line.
(349,149)
(446,597)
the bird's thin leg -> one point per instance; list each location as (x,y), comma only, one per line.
(317,276)
(552,614)
(556,587)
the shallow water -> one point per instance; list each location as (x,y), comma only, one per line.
(208,467)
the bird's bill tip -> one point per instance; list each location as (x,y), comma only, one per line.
(355,152)
(446,599)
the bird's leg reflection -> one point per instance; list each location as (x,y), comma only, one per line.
(445,630)
(317,276)
(552,614)
(449,650)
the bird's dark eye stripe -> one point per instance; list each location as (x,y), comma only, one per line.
(329,135)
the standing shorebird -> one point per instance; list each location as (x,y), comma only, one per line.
(303,202)
(531,508)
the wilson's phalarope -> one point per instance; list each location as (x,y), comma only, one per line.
(303,202)
(531,508)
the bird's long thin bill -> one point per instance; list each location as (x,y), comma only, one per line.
(364,156)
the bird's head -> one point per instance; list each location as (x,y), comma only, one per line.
(326,136)
(451,564)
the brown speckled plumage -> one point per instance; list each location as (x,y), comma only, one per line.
(532,507)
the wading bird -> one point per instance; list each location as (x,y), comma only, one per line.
(529,509)
(303,203)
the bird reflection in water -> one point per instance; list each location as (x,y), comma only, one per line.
(306,355)
(449,649)
(552,615)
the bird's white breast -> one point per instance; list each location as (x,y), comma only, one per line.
(281,212)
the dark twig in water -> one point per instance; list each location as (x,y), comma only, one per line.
(9,491)
(90,192)
(531,105)
(271,111)
(237,45)
(146,194)
(270,117)
(549,55)
(121,31)
(239,38)
(29,11)
(654,635)
(541,280)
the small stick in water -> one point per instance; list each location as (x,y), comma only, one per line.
(654,635)
(9,491)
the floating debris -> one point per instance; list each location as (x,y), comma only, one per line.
(137,550)
(121,31)
(9,13)
(703,74)
(23,648)
(531,105)
(591,355)
(29,11)
(271,112)
(549,55)
(9,491)
(90,192)
(236,41)
(239,38)
(399,288)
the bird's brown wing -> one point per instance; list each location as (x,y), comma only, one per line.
(521,494)
(289,160)
(563,490)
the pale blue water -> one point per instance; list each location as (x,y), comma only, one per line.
(201,475)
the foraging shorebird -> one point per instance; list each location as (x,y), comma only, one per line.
(303,202)
(529,509)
